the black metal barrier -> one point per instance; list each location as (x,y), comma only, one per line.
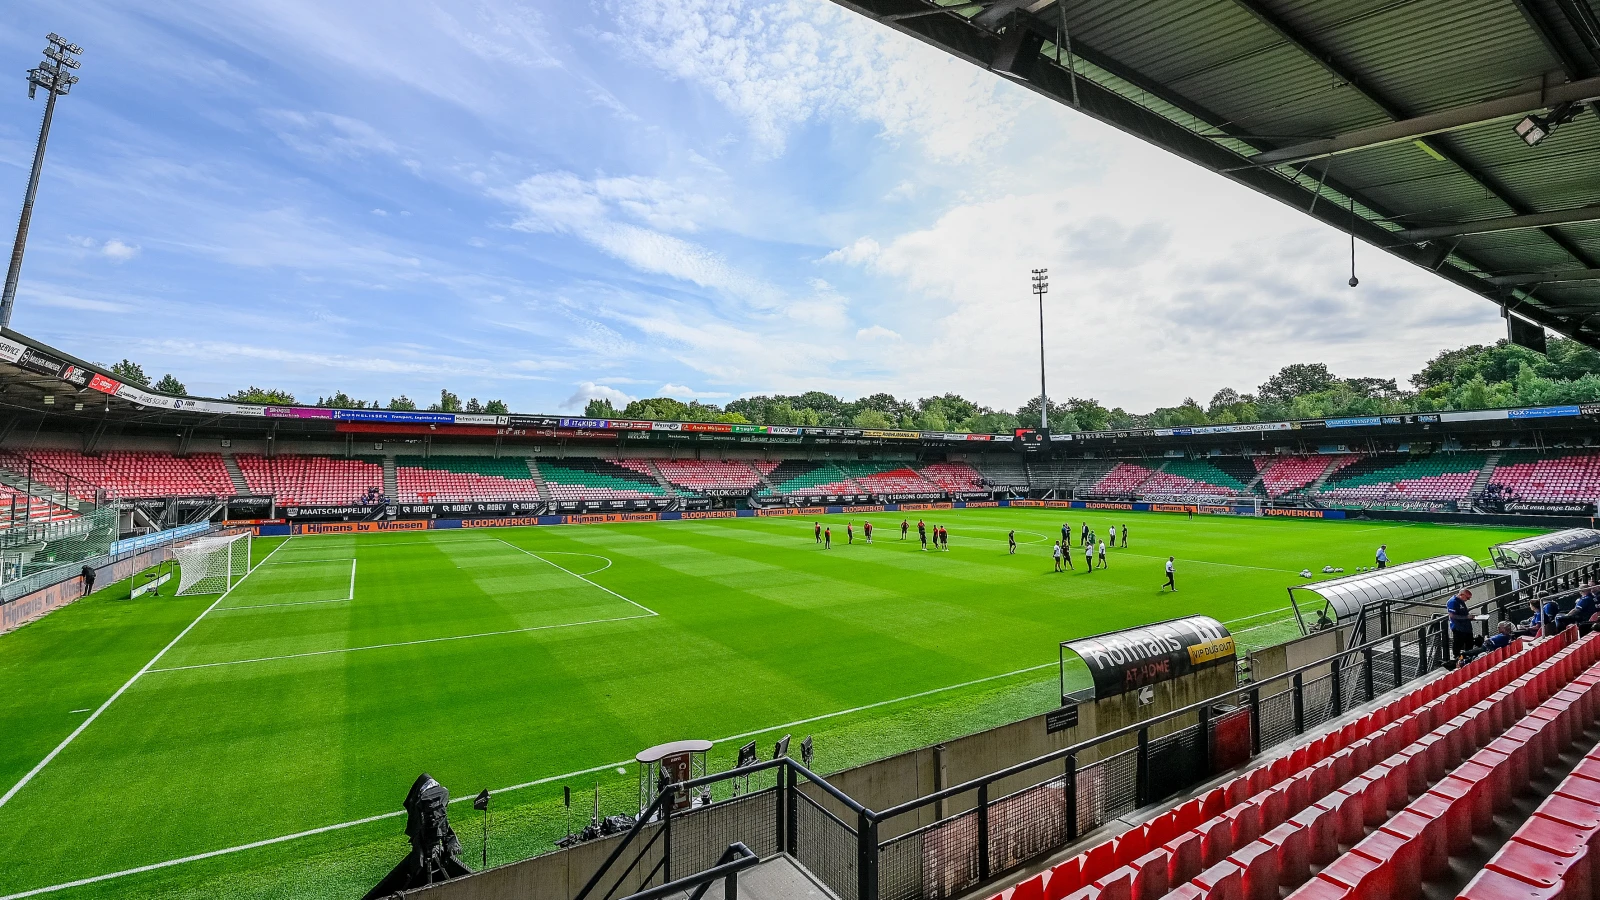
(1029,809)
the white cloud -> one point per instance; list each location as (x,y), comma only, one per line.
(781,64)
(683,392)
(878,333)
(588,390)
(380,212)
(117,251)
(599,211)
(327,135)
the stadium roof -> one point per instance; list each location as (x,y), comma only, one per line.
(1396,120)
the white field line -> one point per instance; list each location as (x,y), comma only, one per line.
(6,798)
(1200,562)
(345,599)
(302,562)
(435,640)
(579,577)
(526,784)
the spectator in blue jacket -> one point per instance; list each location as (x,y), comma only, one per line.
(1583,610)
(1460,622)
(1501,638)
(1549,615)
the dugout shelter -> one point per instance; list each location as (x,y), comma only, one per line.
(1545,555)
(1381,602)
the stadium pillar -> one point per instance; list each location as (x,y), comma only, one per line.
(56,81)
(867,857)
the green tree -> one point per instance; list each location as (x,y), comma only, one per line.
(874,419)
(130,372)
(265,396)
(473,406)
(990,423)
(448,402)
(171,386)
(1294,380)
(657,409)
(598,408)
(402,402)
(341,400)
(496,408)
(1089,414)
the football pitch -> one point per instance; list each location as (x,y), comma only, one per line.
(258,743)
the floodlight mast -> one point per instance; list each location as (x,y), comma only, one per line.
(1041,286)
(53,77)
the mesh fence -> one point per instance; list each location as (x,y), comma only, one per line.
(1175,762)
(827,847)
(1277,718)
(1027,823)
(37,555)
(1107,789)
(700,836)
(932,863)
(1318,701)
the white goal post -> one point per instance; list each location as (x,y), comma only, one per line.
(212,564)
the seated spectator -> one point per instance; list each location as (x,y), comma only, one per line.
(1531,627)
(1583,610)
(1549,614)
(1502,637)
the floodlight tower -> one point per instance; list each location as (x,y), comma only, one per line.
(1041,286)
(52,75)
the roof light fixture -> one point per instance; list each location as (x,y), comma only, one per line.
(1533,129)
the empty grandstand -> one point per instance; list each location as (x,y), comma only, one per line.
(311,480)
(1439,477)
(576,480)
(451,479)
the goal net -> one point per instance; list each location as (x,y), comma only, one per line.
(212,564)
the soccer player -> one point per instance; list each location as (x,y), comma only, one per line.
(1088,556)
(1170,582)
(1066,554)
(1124,537)
(1011,543)
(922,534)
(1066,534)
(1383,556)
(1055,551)
(827,538)
(850,532)
(816,530)
(1102,554)
(944,538)
(866,528)
(903,526)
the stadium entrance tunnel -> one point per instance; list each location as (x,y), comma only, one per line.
(1395,595)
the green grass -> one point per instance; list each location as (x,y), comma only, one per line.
(498,658)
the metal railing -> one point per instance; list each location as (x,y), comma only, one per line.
(86,540)
(1005,819)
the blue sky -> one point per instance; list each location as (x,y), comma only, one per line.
(550,201)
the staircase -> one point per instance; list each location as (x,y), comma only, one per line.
(1153,473)
(1484,474)
(240,486)
(661,479)
(538,478)
(1317,483)
(763,484)
(391,483)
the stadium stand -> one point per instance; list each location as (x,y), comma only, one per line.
(1067,474)
(954,477)
(1122,481)
(1439,477)
(137,474)
(577,479)
(703,475)
(852,477)
(903,480)
(1283,475)
(1382,804)
(1529,476)
(17,508)
(1194,476)
(311,480)
(451,479)
(1006,472)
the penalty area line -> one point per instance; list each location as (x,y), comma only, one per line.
(23,782)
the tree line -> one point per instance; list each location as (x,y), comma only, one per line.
(1479,376)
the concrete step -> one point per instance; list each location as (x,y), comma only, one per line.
(240,486)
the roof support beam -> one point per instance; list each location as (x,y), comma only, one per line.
(1406,130)
(1338,69)
(1504,223)
(931,11)
(1546,277)
(997,12)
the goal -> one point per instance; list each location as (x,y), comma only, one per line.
(212,564)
